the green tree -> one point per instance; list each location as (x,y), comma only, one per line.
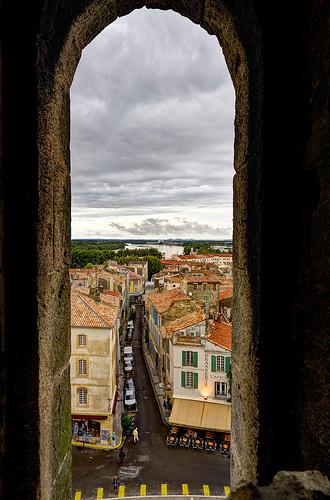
(154,265)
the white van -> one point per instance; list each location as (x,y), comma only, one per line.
(130,324)
(128,353)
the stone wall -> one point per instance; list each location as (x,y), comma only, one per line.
(278,60)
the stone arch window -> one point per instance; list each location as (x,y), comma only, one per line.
(54,130)
(279,65)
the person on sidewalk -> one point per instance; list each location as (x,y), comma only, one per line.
(113,439)
(135,435)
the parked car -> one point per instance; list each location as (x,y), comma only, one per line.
(130,398)
(128,354)
(129,384)
(128,367)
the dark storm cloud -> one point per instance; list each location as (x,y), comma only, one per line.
(152,116)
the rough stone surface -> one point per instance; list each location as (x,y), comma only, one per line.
(279,64)
(308,485)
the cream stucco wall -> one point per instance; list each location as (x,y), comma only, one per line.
(100,380)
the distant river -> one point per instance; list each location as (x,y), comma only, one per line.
(168,250)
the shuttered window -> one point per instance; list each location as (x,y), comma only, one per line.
(190,358)
(189,379)
(220,363)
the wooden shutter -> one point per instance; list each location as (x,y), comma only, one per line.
(196,359)
(184,358)
(227,364)
(195,380)
(183,379)
(213,364)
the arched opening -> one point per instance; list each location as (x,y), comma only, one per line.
(152,110)
(280,68)
(54,135)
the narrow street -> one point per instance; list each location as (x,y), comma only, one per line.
(148,462)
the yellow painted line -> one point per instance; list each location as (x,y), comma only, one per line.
(99,493)
(143,490)
(227,490)
(185,489)
(206,490)
(77,495)
(164,489)
(121,492)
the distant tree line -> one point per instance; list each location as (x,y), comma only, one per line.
(97,245)
(204,247)
(87,259)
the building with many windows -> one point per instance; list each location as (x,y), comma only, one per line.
(199,358)
(94,336)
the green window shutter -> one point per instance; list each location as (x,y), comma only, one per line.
(195,380)
(213,364)
(227,364)
(183,379)
(196,359)
(184,358)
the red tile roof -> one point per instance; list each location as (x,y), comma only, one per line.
(202,279)
(220,334)
(85,312)
(163,301)
(225,293)
(185,322)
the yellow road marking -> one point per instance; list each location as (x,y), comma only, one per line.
(77,495)
(99,493)
(121,492)
(164,489)
(143,490)
(206,490)
(185,489)
(227,490)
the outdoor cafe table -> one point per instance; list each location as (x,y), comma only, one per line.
(210,445)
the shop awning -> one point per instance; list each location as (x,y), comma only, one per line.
(204,415)
(89,417)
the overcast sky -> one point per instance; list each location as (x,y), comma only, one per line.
(152,113)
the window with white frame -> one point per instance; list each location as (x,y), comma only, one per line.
(189,379)
(189,358)
(220,389)
(82,397)
(82,367)
(220,363)
(82,340)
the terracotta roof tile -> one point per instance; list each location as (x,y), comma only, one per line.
(163,301)
(85,312)
(185,321)
(202,279)
(226,293)
(220,334)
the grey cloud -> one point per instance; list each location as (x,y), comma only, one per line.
(152,117)
(161,227)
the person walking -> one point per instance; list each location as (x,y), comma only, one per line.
(115,484)
(135,435)
(113,439)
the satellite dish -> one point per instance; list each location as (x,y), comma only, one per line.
(190,293)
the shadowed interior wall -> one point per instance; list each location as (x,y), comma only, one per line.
(278,60)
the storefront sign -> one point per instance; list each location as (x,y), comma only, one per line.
(206,368)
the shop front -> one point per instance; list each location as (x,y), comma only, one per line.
(200,424)
(94,429)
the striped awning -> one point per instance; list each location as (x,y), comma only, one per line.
(205,415)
